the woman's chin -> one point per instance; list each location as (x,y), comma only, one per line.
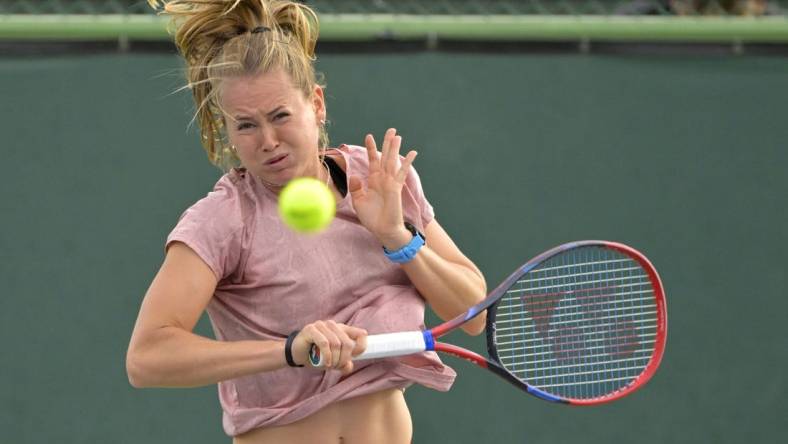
(278,179)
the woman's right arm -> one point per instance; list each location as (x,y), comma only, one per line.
(164,352)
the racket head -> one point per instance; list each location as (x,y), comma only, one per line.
(584,323)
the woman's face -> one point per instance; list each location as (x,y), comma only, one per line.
(274,128)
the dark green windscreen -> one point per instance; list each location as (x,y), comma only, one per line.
(682,157)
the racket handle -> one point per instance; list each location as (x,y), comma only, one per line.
(382,346)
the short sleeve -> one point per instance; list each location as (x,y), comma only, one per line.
(213,227)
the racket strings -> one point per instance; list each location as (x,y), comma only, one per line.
(581,325)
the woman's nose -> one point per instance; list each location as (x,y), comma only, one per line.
(268,139)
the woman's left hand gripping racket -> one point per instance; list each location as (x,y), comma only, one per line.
(583,323)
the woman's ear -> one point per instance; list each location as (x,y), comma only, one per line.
(319,103)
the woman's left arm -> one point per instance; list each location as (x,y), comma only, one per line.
(448,280)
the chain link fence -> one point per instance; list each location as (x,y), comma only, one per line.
(442,7)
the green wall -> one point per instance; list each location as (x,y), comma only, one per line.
(680,156)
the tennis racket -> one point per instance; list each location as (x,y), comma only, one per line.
(583,323)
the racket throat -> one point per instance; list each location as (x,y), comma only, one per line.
(459,352)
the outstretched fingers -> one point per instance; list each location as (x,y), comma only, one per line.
(388,160)
(402,174)
(391,145)
(372,153)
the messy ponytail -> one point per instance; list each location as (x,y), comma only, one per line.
(229,38)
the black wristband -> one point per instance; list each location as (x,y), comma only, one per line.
(288,351)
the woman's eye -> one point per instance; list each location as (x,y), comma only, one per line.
(281,116)
(244,126)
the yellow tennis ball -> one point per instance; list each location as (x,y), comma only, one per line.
(307,205)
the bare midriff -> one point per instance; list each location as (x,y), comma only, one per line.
(382,417)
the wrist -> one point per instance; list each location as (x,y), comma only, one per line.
(396,240)
(408,251)
(290,352)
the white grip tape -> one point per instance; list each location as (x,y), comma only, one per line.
(393,344)
(382,346)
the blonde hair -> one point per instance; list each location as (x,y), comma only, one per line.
(229,38)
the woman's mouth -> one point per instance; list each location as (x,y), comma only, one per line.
(276,160)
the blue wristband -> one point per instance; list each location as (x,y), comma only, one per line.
(408,252)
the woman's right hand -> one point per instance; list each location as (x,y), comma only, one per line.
(338,344)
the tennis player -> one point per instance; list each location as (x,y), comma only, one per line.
(271,293)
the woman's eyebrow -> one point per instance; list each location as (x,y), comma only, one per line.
(268,114)
(274,111)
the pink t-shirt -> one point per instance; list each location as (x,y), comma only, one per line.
(273,281)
